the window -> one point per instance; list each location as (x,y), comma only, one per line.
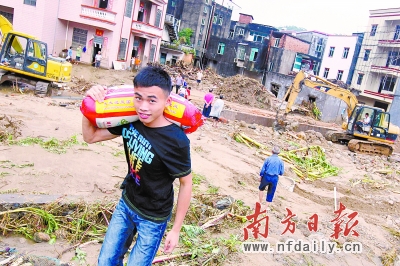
(257,38)
(203,21)
(158,18)
(128,8)
(276,44)
(79,37)
(220,20)
(201,30)
(241,31)
(373,29)
(387,83)
(397,33)
(122,49)
(360,78)
(393,59)
(152,53)
(339,75)
(215,18)
(221,48)
(271,66)
(30,2)
(230,34)
(318,49)
(331,51)
(316,68)
(346,52)
(326,73)
(199,42)
(366,54)
(207,1)
(253,54)
(205,10)
(241,52)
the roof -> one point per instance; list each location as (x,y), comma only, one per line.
(314,31)
(247,15)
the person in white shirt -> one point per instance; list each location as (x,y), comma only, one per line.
(216,110)
(97,60)
(365,122)
(199,77)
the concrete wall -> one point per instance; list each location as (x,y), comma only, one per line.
(246,19)
(314,38)
(291,43)
(282,60)
(395,107)
(330,106)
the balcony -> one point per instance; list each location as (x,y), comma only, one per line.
(389,43)
(379,96)
(386,70)
(146,30)
(100,14)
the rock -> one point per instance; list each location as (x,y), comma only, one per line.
(390,202)
(338,155)
(301,135)
(252,126)
(39,237)
(294,125)
(319,135)
(330,143)
(317,142)
(242,124)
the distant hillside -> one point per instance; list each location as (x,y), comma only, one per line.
(294,28)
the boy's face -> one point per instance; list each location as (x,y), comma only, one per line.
(150,103)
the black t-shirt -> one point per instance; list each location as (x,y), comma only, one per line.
(155,156)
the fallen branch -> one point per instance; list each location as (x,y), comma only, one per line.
(4,262)
(213,221)
(165,258)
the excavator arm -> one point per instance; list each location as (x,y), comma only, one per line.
(323,86)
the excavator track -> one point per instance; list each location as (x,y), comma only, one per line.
(362,146)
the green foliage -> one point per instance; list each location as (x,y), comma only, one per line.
(212,189)
(186,33)
(189,51)
(52,145)
(80,256)
(197,178)
(316,112)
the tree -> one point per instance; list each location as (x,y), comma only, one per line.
(185,34)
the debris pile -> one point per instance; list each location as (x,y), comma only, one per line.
(79,85)
(10,128)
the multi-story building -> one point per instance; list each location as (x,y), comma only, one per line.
(119,29)
(242,49)
(317,42)
(289,53)
(378,67)
(338,57)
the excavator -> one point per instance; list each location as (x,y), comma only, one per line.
(24,59)
(374,137)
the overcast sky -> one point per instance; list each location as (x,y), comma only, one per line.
(333,17)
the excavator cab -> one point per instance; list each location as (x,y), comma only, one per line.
(25,54)
(370,123)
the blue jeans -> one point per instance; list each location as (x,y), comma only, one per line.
(124,224)
(272,183)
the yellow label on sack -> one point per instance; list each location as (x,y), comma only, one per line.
(115,105)
(175,109)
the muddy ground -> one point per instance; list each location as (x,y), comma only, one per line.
(94,172)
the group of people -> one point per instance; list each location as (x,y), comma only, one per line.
(213,109)
(147,197)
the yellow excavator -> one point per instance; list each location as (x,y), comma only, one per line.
(25,59)
(374,135)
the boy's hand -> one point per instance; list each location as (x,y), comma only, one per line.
(171,241)
(97,93)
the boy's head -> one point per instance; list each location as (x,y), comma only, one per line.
(221,96)
(152,90)
(189,88)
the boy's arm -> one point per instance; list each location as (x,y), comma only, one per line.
(185,193)
(92,134)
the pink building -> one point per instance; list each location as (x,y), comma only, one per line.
(119,29)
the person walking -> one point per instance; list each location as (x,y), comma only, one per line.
(137,63)
(178,82)
(97,60)
(208,99)
(216,110)
(199,77)
(272,168)
(78,55)
(157,152)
